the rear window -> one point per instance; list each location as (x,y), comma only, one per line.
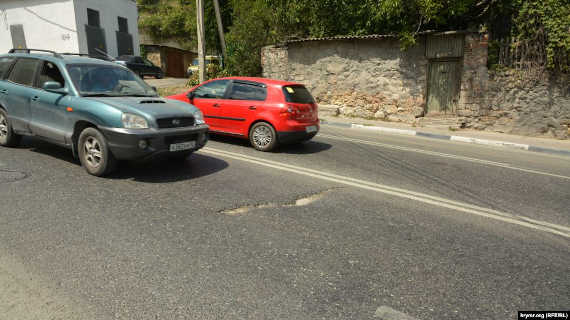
(5,64)
(297,94)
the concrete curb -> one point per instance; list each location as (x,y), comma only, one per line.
(495,143)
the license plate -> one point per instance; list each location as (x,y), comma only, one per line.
(311,129)
(182,146)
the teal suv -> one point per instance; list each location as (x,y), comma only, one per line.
(100,110)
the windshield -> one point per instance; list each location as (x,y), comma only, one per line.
(195,62)
(107,80)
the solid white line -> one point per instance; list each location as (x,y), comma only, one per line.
(443,155)
(402,193)
(383,129)
(490,142)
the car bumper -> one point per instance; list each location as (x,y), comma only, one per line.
(285,137)
(125,143)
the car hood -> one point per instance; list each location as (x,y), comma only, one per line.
(149,107)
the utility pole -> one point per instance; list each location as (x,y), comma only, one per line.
(220,29)
(201,40)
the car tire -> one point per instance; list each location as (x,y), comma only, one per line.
(94,153)
(262,136)
(7,136)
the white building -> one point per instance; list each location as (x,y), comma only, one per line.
(75,26)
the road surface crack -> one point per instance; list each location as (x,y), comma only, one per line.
(301,201)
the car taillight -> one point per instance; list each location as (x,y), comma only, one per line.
(290,111)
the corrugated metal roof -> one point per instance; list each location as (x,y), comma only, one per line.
(370,36)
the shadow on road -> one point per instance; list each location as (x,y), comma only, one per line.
(153,171)
(308,147)
(166,170)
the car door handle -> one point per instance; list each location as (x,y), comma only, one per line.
(4,91)
(36,98)
(216,105)
(252,107)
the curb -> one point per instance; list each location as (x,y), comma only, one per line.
(494,143)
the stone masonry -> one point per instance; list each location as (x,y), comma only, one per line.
(375,79)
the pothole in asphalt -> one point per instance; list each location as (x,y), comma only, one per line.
(299,202)
(7,176)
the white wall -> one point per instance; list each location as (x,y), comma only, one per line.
(109,11)
(48,24)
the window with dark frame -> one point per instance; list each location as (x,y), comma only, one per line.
(123,25)
(93,18)
(212,90)
(246,91)
(24,71)
(5,64)
(50,73)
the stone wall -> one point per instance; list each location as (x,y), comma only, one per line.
(373,78)
(519,106)
(365,78)
(475,75)
(274,60)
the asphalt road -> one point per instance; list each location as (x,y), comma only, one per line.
(346,226)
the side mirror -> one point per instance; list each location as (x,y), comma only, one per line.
(191,96)
(54,87)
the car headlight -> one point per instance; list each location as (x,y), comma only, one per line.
(132,121)
(198,117)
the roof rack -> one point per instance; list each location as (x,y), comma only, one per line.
(26,50)
(75,54)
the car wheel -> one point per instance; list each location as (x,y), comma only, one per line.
(7,136)
(94,153)
(262,136)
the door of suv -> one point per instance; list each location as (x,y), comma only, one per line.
(246,99)
(19,91)
(48,109)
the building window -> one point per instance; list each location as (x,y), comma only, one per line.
(93,18)
(123,25)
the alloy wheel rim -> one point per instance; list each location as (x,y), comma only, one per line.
(93,153)
(262,136)
(3,127)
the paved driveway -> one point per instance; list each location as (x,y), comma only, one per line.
(166,82)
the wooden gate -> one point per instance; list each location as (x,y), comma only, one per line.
(443,87)
(175,63)
(445,53)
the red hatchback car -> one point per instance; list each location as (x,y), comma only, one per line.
(267,112)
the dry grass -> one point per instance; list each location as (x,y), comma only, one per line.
(165,92)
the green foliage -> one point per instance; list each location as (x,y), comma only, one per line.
(253,27)
(252,24)
(546,22)
(213,71)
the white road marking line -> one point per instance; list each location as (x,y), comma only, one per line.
(383,129)
(490,142)
(444,155)
(387,313)
(402,193)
